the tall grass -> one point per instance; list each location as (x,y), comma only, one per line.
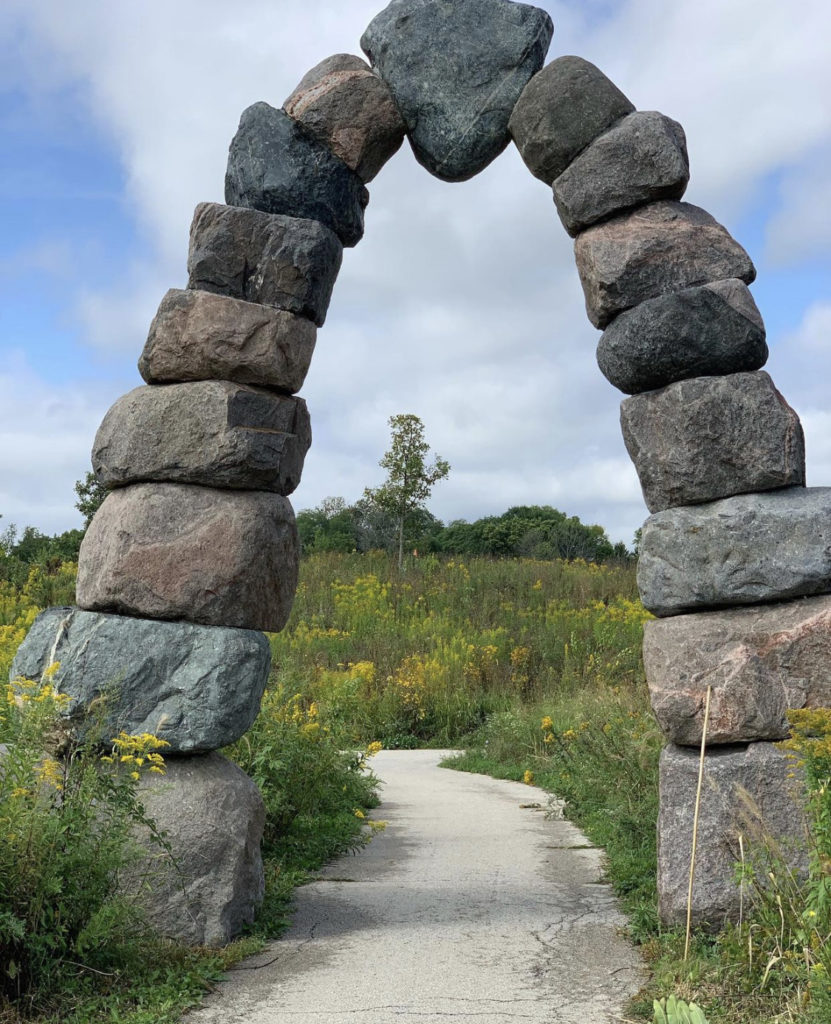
(427,655)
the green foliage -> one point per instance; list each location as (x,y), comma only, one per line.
(676,1011)
(311,787)
(533,531)
(409,478)
(530,531)
(20,554)
(91,495)
(66,816)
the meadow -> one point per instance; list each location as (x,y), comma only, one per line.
(533,669)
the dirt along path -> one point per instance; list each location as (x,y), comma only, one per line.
(471,905)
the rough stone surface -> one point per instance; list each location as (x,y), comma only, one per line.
(214,816)
(212,432)
(703,331)
(288,262)
(456,69)
(275,166)
(197,687)
(561,111)
(748,549)
(199,336)
(177,551)
(348,108)
(711,437)
(660,248)
(760,661)
(761,770)
(639,160)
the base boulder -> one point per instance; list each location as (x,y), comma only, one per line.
(747,790)
(208,888)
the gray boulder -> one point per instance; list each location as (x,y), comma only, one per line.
(275,166)
(456,69)
(211,432)
(349,109)
(748,549)
(288,262)
(747,791)
(210,885)
(760,661)
(711,437)
(199,336)
(660,248)
(640,159)
(196,687)
(561,111)
(704,331)
(177,551)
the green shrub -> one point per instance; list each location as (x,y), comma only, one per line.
(66,816)
(315,793)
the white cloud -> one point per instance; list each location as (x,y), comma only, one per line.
(801,227)
(45,439)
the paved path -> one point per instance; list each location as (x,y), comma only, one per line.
(469,906)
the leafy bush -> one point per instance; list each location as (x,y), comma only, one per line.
(315,794)
(66,816)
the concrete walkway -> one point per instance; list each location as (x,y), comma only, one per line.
(470,905)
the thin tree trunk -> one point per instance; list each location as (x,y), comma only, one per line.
(401,543)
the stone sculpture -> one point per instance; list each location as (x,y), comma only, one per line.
(195,549)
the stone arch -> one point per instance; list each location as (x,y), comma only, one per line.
(195,550)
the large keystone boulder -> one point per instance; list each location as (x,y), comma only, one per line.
(711,437)
(210,885)
(211,432)
(347,107)
(177,551)
(704,331)
(196,687)
(275,166)
(759,661)
(748,549)
(561,111)
(748,791)
(641,159)
(456,69)
(660,248)
(288,262)
(200,336)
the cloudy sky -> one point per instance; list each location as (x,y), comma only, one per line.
(461,304)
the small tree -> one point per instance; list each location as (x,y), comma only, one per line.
(91,495)
(409,478)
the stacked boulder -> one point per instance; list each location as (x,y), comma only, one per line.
(721,459)
(194,551)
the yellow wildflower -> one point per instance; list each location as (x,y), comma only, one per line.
(528,777)
(546,724)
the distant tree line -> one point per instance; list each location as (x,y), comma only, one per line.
(20,550)
(529,531)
